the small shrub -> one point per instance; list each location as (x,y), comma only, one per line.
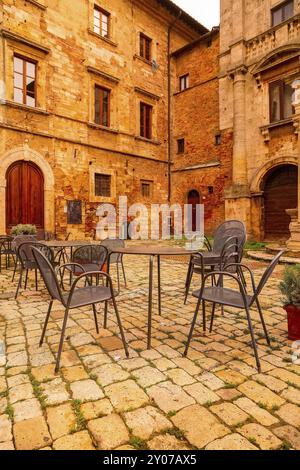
(290,285)
(23,229)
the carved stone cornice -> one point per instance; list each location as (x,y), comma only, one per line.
(239,71)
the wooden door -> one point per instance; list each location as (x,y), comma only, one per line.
(280,194)
(194,200)
(24,195)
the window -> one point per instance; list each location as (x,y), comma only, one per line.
(282,12)
(102,106)
(146,187)
(101,22)
(145,120)
(218,139)
(145,47)
(102,185)
(180,145)
(24,81)
(210,189)
(184,82)
(281,98)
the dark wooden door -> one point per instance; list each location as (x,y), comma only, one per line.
(24,195)
(194,200)
(280,194)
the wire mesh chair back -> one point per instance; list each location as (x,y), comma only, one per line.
(6,244)
(25,253)
(48,274)
(227,230)
(19,239)
(230,254)
(112,244)
(91,254)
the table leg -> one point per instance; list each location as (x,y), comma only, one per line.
(159,286)
(106,303)
(150,300)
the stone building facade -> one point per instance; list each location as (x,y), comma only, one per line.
(202,153)
(259,65)
(84,107)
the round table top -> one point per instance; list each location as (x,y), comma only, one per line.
(153,250)
(65,243)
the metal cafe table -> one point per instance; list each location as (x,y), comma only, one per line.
(154,251)
(63,244)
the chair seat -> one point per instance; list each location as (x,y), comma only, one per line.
(209,258)
(88,295)
(223,296)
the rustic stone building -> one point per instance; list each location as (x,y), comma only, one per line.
(85,107)
(259,63)
(202,153)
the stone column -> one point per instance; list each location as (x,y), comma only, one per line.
(237,198)
(294,242)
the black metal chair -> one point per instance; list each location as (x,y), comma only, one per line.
(116,258)
(217,294)
(7,251)
(77,297)
(207,261)
(27,261)
(17,241)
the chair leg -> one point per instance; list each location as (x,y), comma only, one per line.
(46,323)
(188,282)
(36,279)
(118,276)
(123,271)
(61,342)
(204,315)
(15,268)
(105,315)
(253,339)
(212,317)
(95,317)
(263,322)
(192,327)
(19,283)
(26,279)
(120,326)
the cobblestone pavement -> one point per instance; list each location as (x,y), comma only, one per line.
(156,399)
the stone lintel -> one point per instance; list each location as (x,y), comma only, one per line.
(102,74)
(27,42)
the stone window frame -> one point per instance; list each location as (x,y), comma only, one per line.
(18,46)
(149,183)
(95,169)
(101,6)
(278,7)
(97,78)
(150,100)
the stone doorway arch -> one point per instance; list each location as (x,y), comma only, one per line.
(25,153)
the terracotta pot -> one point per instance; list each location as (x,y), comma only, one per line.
(293,317)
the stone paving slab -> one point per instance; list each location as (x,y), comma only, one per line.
(157,399)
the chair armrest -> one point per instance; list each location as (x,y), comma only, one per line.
(243,266)
(67,265)
(86,275)
(223,274)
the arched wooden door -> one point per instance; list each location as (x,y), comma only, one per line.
(24,195)
(193,200)
(280,193)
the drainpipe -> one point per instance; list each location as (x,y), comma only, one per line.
(170,27)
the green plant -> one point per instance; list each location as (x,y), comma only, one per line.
(23,229)
(138,443)
(290,285)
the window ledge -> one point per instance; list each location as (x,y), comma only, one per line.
(93,125)
(38,4)
(265,130)
(148,62)
(24,107)
(107,40)
(149,141)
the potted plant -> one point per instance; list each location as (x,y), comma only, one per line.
(290,288)
(23,229)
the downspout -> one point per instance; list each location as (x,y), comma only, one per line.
(170,27)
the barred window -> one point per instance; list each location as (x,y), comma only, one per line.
(102,185)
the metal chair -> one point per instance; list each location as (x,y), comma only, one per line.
(6,250)
(28,263)
(116,258)
(77,297)
(209,260)
(17,241)
(90,257)
(217,294)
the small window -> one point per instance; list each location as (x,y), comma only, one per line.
(281,100)
(102,106)
(184,82)
(180,145)
(218,139)
(24,81)
(145,120)
(210,189)
(282,12)
(146,187)
(101,22)
(145,47)
(102,185)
